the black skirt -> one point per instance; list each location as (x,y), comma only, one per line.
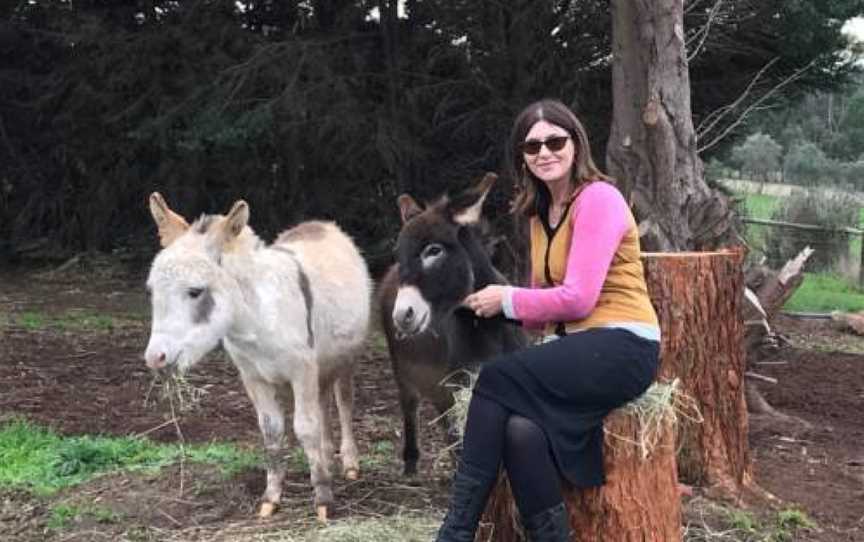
(568,386)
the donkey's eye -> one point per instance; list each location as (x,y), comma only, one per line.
(194,293)
(432,251)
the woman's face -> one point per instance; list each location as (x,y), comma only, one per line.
(550,165)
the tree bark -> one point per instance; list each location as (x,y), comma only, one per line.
(640,501)
(698,298)
(652,143)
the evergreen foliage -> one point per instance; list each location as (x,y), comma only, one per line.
(322,108)
(806,163)
(759,155)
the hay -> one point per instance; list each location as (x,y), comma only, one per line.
(404,528)
(660,407)
(176,391)
(458,413)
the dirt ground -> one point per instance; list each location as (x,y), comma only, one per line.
(83,372)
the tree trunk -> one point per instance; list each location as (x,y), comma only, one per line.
(698,298)
(640,501)
(652,143)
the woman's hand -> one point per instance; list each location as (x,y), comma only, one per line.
(487,302)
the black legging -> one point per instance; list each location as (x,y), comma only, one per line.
(493,433)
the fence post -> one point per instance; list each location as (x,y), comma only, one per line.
(861,265)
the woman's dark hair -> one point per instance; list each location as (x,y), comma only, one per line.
(584,169)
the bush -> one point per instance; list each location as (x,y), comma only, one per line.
(805,163)
(825,208)
(758,156)
(852,173)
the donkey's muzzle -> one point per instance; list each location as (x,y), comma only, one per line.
(411,312)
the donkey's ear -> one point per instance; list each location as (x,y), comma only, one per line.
(227,229)
(467,207)
(236,220)
(408,208)
(170,224)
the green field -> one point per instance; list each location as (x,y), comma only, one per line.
(760,205)
(825,293)
(820,292)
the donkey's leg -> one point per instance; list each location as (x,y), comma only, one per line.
(271,420)
(344,388)
(307,427)
(409,401)
(327,447)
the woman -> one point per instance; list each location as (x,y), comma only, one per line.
(540,410)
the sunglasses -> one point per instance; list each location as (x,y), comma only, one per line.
(533,146)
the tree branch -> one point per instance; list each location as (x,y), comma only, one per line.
(704,30)
(755,104)
(717,117)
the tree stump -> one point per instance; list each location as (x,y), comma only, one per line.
(698,298)
(640,501)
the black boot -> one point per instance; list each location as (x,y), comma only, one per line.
(550,525)
(467,501)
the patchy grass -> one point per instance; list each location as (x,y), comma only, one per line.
(381,453)
(71,320)
(708,521)
(37,459)
(823,292)
(63,516)
(377,343)
(296,459)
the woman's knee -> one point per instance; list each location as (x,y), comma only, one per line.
(522,433)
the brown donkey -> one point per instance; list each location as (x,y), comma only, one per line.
(431,336)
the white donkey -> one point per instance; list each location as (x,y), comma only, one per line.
(292,312)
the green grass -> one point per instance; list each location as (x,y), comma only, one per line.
(73,319)
(823,292)
(41,461)
(760,205)
(742,520)
(381,453)
(62,515)
(713,522)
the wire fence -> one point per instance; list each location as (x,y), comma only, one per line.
(838,251)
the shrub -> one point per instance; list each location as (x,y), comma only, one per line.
(852,173)
(825,208)
(758,156)
(805,163)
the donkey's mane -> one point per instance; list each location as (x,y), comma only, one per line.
(247,240)
(204,223)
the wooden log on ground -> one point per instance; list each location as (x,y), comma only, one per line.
(698,298)
(640,501)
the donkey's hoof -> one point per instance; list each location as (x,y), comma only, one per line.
(352,474)
(322,513)
(267,509)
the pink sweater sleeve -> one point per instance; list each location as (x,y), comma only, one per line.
(600,218)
